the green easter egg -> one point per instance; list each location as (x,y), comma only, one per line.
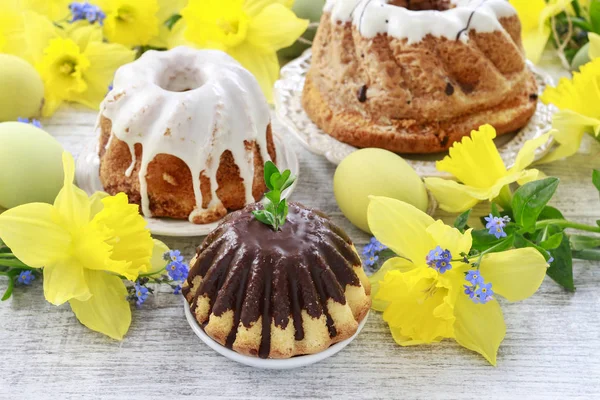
(582,57)
(375,172)
(306,9)
(21,89)
(30,165)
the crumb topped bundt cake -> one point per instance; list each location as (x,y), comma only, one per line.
(185,133)
(414,76)
(278,294)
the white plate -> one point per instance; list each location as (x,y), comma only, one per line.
(87,172)
(256,362)
(288,105)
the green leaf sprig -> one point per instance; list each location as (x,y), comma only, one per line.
(275,208)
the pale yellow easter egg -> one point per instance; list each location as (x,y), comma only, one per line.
(30,165)
(375,172)
(21,89)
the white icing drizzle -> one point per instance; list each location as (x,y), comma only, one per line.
(149,105)
(374,17)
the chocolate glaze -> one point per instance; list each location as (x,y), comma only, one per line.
(249,268)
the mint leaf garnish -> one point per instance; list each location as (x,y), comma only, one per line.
(275,209)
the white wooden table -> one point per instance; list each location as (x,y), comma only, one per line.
(551,350)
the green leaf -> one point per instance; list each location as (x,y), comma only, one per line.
(172,20)
(9,289)
(270,169)
(483,241)
(288,183)
(580,242)
(550,212)
(274,196)
(461,221)
(278,180)
(594,13)
(552,242)
(596,178)
(530,199)
(265,217)
(561,269)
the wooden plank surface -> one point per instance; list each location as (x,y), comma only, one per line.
(550,351)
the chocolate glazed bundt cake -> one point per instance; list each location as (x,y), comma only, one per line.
(414,76)
(278,294)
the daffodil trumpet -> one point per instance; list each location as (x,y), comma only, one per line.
(476,163)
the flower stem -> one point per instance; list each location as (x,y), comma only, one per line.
(587,254)
(15,264)
(504,199)
(567,224)
(153,273)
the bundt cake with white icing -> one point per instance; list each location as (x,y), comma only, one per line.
(185,133)
(278,294)
(414,76)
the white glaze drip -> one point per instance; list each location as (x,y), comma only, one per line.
(150,105)
(373,17)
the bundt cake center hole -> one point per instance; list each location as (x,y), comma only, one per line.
(181,80)
(421,5)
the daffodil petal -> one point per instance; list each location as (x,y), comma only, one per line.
(526,155)
(264,67)
(37,31)
(96,204)
(82,33)
(275,28)
(72,203)
(401,227)
(450,238)
(534,42)
(479,327)
(454,197)
(529,175)
(594,51)
(107,310)
(570,128)
(157,262)
(515,274)
(35,233)
(393,264)
(64,280)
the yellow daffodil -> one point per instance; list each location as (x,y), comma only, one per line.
(577,100)
(594,51)
(11,27)
(84,246)
(251,31)
(535,16)
(74,62)
(130,22)
(476,162)
(55,10)
(167,8)
(424,293)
